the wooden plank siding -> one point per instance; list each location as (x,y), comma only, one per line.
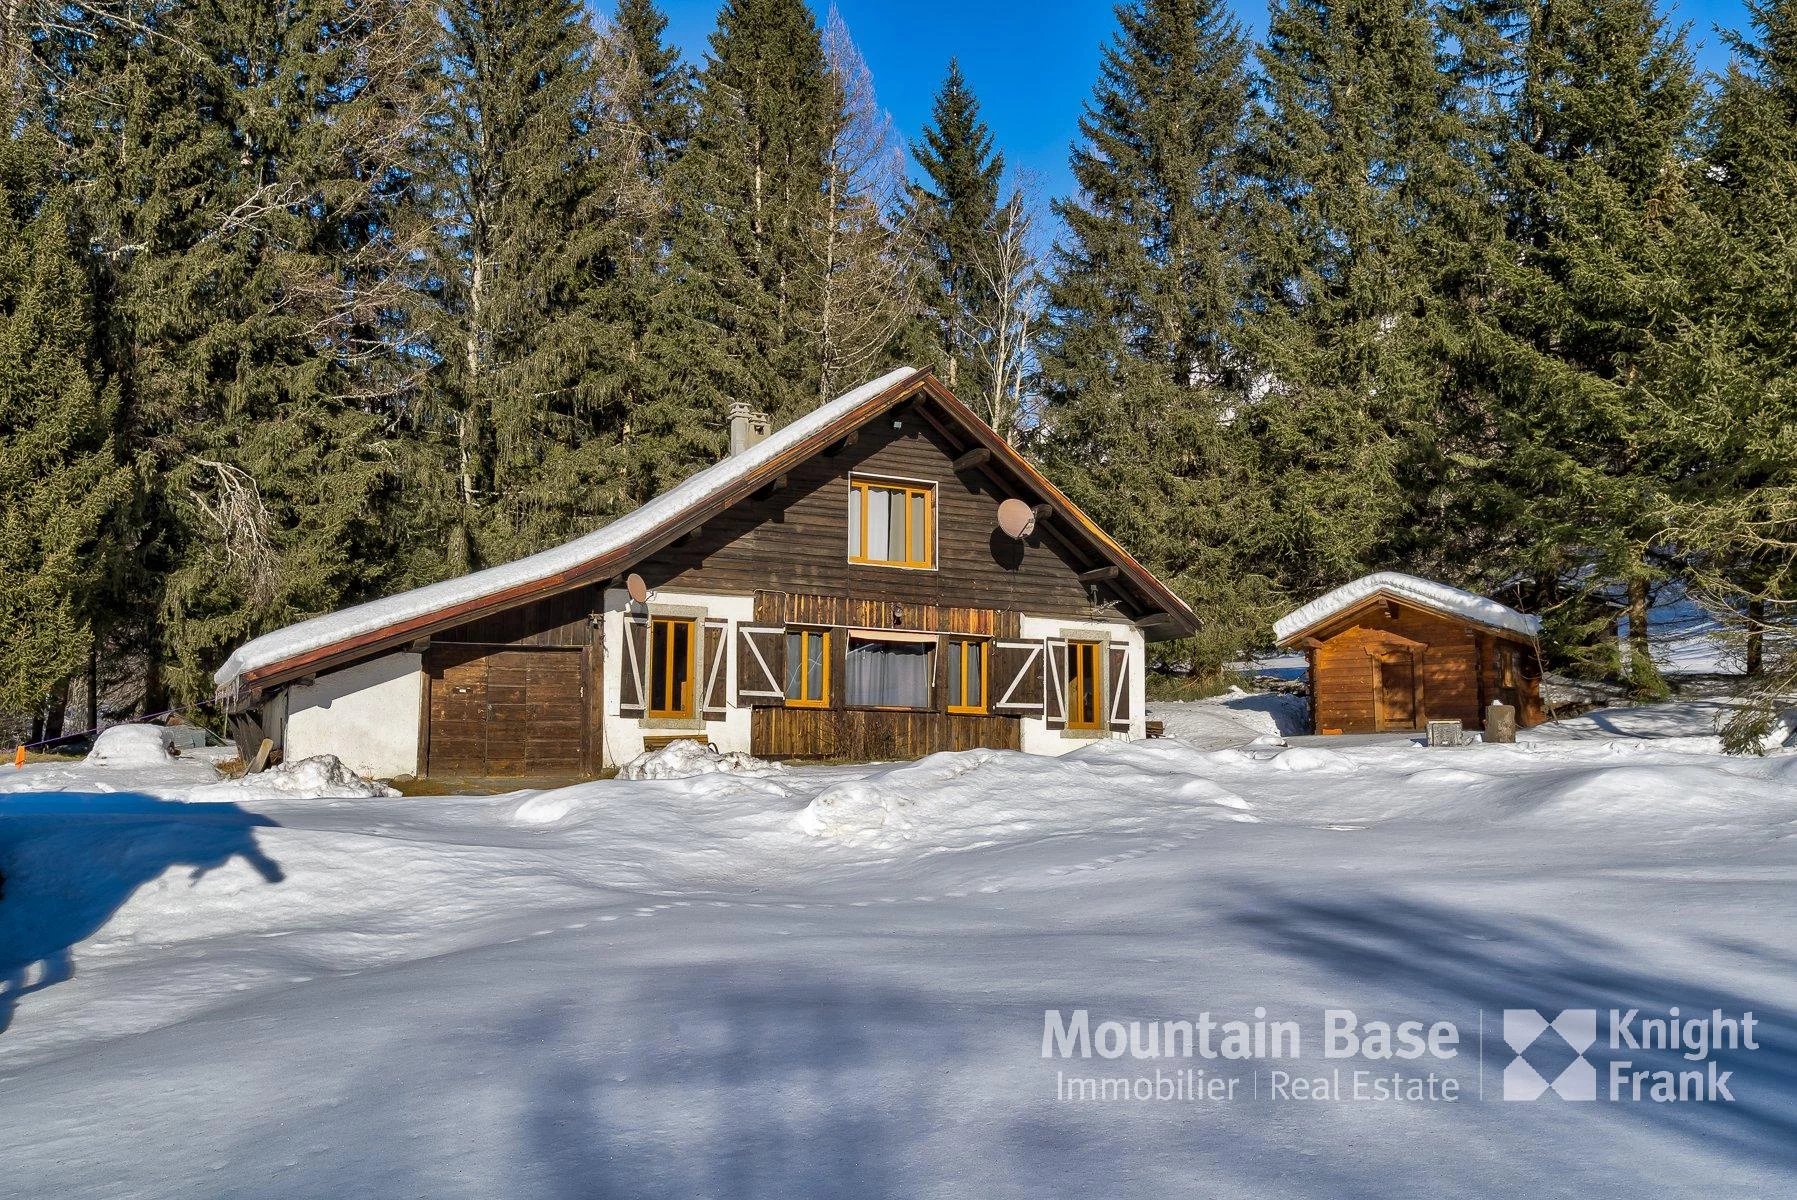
(559,620)
(499,712)
(868,735)
(786,608)
(795,538)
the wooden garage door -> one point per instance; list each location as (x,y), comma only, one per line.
(506,711)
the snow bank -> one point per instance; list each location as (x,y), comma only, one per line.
(379,614)
(1425,592)
(683,760)
(321,777)
(128,746)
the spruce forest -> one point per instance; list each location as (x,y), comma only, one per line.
(308,301)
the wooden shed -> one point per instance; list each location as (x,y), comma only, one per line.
(847,587)
(1392,652)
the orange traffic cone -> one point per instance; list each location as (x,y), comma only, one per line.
(18,757)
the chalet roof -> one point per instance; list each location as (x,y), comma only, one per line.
(1425,593)
(324,641)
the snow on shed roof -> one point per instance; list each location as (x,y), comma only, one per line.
(333,628)
(1426,592)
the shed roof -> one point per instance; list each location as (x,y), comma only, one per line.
(323,640)
(1441,597)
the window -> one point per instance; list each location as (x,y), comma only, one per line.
(671,644)
(892,524)
(889,672)
(1083,684)
(808,668)
(966,675)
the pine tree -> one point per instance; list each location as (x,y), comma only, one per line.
(1580,316)
(237,161)
(1140,372)
(1354,152)
(60,481)
(515,181)
(954,215)
(1733,382)
(642,408)
(750,191)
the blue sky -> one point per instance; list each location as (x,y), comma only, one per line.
(1032,64)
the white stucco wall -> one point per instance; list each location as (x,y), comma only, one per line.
(622,737)
(1038,738)
(367,715)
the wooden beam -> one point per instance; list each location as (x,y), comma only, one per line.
(979,456)
(844,442)
(1043,512)
(1154,619)
(1100,574)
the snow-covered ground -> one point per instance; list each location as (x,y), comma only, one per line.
(1232,718)
(833,981)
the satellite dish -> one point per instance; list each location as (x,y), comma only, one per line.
(639,591)
(1017,519)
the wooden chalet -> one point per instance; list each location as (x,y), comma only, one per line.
(1391,652)
(839,589)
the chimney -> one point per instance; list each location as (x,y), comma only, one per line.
(747,427)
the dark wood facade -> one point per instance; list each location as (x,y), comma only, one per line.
(791,536)
(1390,664)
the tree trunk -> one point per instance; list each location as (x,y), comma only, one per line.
(155,690)
(1637,613)
(93,682)
(59,707)
(1756,635)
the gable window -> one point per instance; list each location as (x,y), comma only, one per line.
(671,646)
(966,675)
(889,672)
(892,524)
(808,668)
(1083,684)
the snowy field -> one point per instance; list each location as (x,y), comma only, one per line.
(833,982)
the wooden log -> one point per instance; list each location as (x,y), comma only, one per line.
(979,456)
(1099,574)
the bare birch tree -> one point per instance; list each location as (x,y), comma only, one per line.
(1009,264)
(865,299)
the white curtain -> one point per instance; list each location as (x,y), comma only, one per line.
(888,674)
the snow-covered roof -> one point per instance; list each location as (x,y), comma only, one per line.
(376,615)
(1426,592)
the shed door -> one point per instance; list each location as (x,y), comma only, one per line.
(1395,696)
(515,711)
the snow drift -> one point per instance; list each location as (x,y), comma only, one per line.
(129,746)
(320,777)
(683,760)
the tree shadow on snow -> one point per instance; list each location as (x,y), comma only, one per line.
(1438,960)
(762,1084)
(70,860)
